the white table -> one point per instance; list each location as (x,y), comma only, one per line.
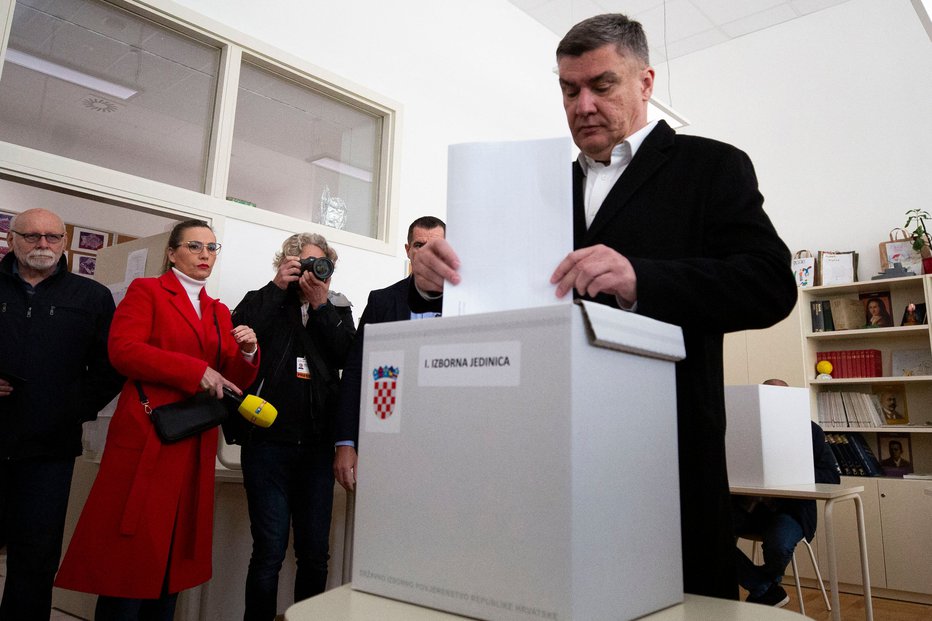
(831,494)
(345,604)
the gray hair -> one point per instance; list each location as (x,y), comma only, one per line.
(615,29)
(296,243)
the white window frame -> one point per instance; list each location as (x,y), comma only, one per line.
(57,171)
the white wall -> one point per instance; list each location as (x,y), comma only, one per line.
(463,71)
(834,110)
(833,107)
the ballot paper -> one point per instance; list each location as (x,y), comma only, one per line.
(510,222)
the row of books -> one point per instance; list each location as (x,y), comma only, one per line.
(837,314)
(849,409)
(854,455)
(854,362)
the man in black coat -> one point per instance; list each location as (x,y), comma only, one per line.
(670,227)
(54,376)
(402,301)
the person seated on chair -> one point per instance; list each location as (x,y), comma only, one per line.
(780,524)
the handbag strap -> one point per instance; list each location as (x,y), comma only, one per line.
(144,400)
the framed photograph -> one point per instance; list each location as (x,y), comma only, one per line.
(5,219)
(83,264)
(892,403)
(914,315)
(896,454)
(89,240)
(877,309)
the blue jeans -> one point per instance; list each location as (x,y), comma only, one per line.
(33,502)
(780,533)
(286,484)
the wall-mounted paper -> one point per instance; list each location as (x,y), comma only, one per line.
(510,221)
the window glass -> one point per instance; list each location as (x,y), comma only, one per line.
(91,82)
(302,153)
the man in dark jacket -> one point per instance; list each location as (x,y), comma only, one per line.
(305,331)
(780,523)
(54,376)
(401,301)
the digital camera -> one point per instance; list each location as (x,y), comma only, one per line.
(321,267)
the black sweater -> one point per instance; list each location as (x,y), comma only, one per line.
(306,407)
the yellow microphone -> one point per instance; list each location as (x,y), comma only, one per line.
(255,409)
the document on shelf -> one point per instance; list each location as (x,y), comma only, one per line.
(510,221)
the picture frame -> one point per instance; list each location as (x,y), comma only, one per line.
(895,453)
(88,240)
(6,218)
(83,264)
(892,403)
(878,311)
(914,317)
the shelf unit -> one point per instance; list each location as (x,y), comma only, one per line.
(917,389)
(897,549)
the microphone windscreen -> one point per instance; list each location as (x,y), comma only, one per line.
(258,411)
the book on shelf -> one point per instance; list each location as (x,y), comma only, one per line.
(854,363)
(822,316)
(818,321)
(827,320)
(849,409)
(847,314)
(854,455)
(865,455)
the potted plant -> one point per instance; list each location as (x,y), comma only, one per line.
(916,225)
(922,243)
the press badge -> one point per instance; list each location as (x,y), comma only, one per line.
(303,371)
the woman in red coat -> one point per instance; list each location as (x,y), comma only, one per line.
(145,533)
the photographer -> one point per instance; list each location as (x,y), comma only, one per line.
(306,331)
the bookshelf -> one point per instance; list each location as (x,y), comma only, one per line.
(915,390)
(898,511)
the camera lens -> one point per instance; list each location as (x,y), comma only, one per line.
(322,268)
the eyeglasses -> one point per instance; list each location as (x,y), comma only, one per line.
(33,238)
(196,246)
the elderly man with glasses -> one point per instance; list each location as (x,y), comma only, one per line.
(54,376)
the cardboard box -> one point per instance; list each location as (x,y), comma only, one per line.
(769,436)
(521,464)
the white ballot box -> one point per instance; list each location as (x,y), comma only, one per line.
(521,464)
(769,436)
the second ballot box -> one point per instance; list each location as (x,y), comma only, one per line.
(521,464)
(768,439)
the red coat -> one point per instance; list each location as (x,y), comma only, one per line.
(152,502)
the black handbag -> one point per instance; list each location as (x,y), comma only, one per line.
(183,419)
(188,417)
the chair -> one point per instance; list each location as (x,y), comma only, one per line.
(758,558)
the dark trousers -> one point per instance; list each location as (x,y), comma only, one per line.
(779,533)
(33,503)
(125,609)
(286,484)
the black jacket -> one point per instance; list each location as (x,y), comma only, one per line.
(306,408)
(56,340)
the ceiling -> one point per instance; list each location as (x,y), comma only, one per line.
(677,27)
